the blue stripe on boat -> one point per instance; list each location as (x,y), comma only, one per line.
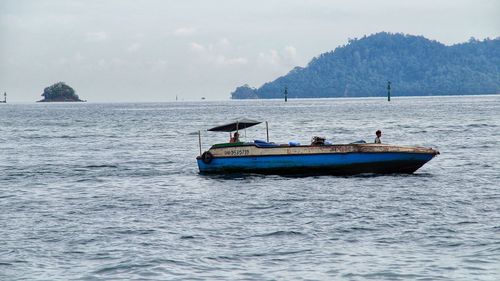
(365,162)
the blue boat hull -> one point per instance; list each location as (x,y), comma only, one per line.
(331,164)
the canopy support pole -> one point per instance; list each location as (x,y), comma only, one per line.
(199,140)
(267,131)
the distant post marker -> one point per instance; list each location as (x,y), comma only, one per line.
(4,98)
(286,94)
(388,90)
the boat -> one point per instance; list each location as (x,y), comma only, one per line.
(318,158)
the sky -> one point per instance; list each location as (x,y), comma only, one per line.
(157,50)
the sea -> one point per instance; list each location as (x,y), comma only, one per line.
(111,191)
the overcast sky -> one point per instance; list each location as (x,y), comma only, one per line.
(153,50)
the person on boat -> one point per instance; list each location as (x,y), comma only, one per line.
(235,138)
(378,133)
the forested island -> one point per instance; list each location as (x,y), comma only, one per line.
(60,92)
(416,66)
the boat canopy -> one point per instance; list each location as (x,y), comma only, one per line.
(235,125)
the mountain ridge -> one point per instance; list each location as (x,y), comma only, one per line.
(415,65)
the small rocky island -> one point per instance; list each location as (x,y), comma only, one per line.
(60,92)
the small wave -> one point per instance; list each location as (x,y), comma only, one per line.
(73,252)
(466,222)
(100,166)
(282,253)
(383,275)
(357,229)
(261,207)
(475,268)
(222,259)
(94,180)
(481,125)
(280,233)
(477,261)
(136,232)
(119,267)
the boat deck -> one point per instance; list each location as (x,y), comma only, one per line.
(255,149)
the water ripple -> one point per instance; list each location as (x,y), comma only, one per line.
(112,192)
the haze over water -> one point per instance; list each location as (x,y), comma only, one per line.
(112,191)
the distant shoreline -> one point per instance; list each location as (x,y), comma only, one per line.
(237,100)
(374,97)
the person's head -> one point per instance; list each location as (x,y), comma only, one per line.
(236,134)
(378,133)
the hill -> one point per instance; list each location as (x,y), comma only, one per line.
(416,66)
(59,92)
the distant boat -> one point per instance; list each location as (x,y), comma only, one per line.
(319,157)
(202,98)
(4,98)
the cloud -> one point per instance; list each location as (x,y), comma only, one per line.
(134,47)
(96,36)
(286,57)
(62,61)
(184,31)
(78,58)
(115,63)
(222,60)
(290,53)
(159,65)
(214,53)
(102,63)
(195,47)
(224,43)
(271,57)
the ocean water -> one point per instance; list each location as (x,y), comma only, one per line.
(94,191)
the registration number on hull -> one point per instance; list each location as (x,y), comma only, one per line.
(239,152)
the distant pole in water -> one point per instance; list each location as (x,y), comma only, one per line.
(286,94)
(4,98)
(267,131)
(199,140)
(176,98)
(388,90)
